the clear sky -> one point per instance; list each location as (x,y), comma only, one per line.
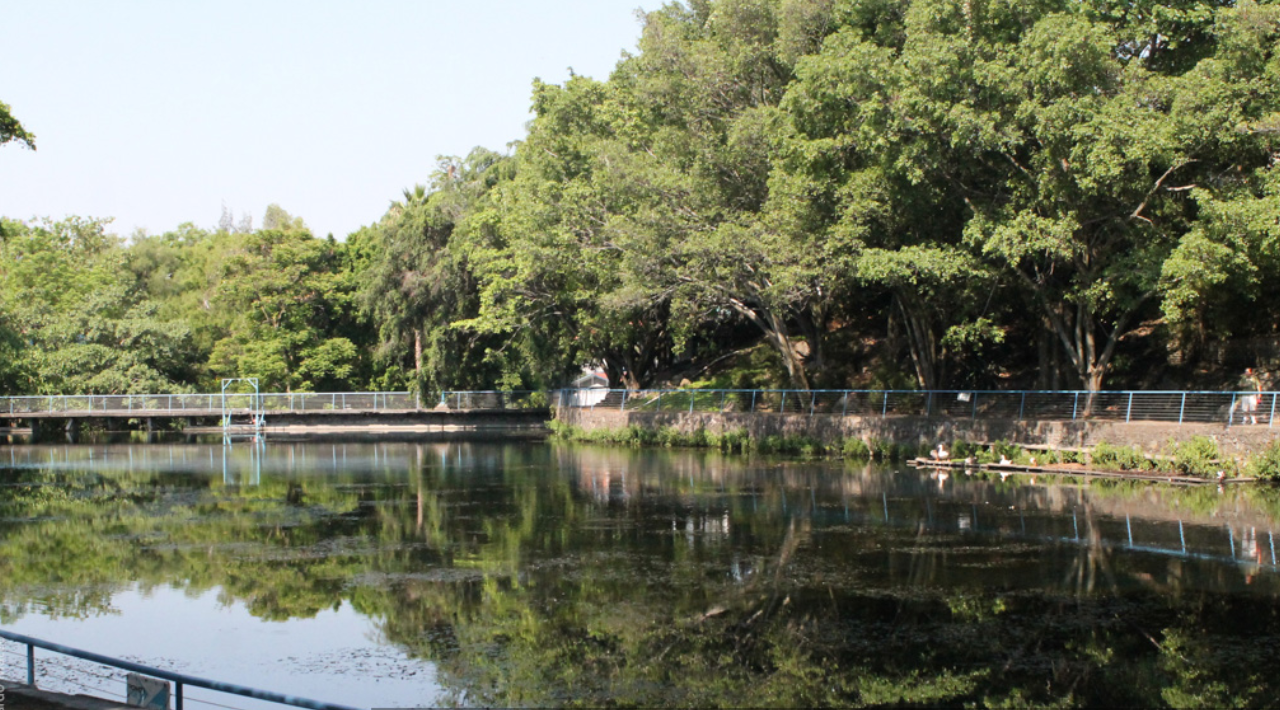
(159,112)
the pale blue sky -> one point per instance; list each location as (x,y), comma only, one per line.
(156,113)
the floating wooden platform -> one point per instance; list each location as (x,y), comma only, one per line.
(1012,468)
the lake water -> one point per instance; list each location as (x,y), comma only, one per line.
(523,573)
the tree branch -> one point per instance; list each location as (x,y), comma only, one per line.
(1137,213)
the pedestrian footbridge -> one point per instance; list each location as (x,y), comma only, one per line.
(257,410)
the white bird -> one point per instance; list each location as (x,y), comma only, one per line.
(1004,460)
(968,461)
(1222,475)
(1033,460)
(940,453)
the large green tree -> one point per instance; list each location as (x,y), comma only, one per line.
(12,130)
(418,283)
(1056,142)
(82,322)
(285,292)
(634,218)
(1218,280)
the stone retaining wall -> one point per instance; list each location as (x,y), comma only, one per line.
(1151,437)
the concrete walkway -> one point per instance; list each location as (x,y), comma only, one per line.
(18,696)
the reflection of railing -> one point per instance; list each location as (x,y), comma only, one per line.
(1127,406)
(1154,536)
(203,404)
(179,679)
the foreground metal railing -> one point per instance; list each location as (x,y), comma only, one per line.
(203,404)
(179,679)
(1125,406)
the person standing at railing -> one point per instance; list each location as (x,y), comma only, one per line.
(1249,403)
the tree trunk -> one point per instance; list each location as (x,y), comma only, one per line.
(814,326)
(1078,336)
(417,353)
(921,343)
(775,333)
(1044,344)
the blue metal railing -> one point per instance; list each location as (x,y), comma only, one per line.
(1129,406)
(1180,407)
(179,679)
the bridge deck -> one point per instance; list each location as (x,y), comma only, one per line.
(202,413)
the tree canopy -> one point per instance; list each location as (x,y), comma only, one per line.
(11,130)
(803,193)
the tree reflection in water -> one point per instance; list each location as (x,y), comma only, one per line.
(550,574)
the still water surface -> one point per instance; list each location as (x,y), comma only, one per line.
(402,574)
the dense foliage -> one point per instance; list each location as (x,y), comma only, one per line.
(810,193)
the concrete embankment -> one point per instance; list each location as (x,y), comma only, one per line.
(1151,437)
(23,697)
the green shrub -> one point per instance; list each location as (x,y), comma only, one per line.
(1122,458)
(1198,456)
(856,449)
(962,449)
(560,430)
(1266,465)
(1002,448)
(794,445)
(882,449)
(735,441)
(767,444)
(669,436)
